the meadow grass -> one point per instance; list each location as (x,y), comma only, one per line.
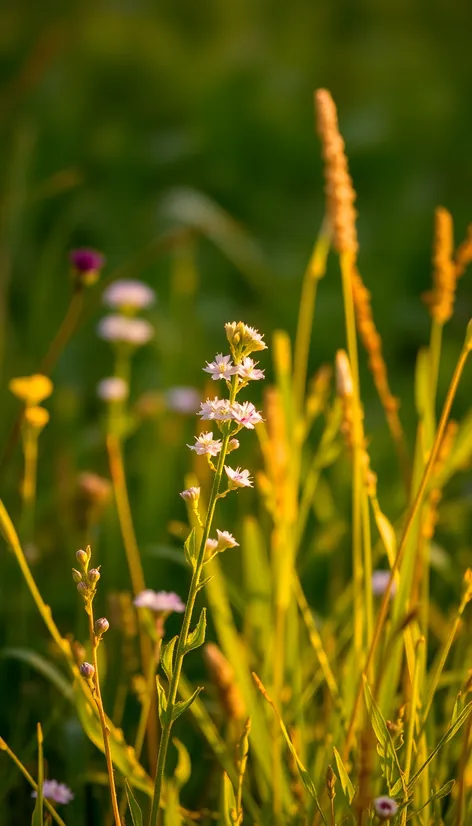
(317,674)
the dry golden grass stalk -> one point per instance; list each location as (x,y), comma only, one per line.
(440,300)
(222,675)
(340,195)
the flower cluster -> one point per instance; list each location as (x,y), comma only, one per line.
(53,790)
(86,266)
(161,602)
(87,578)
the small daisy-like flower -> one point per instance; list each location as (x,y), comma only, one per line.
(120,328)
(129,294)
(247,370)
(58,792)
(221,368)
(225,540)
(245,414)
(219,410)
(238,478)
(385,807)
(380,580)
(184,400)
(113,389)
(211,546)
(191,495)
(206,445)
(162,602)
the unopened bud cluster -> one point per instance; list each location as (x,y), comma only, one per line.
(87,578)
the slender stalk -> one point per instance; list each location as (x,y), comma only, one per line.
(369,597)
(313,273)
(413,512)
(442,661)
(182,641)
(435,354)
(414,699)
(97,696)
(347,264)
(117,471)
(31,781)
(465,753)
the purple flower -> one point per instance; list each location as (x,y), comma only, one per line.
(86,260)
(380,580)
(162,602)
(58,792)
(385,807)
(184,400)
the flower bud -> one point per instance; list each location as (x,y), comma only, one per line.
(82,588)
(76,575)
(191,495)
(87,671)
(101,626)
(82,558)
(93,576)
(233,444)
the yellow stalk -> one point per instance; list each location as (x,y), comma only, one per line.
(4,747)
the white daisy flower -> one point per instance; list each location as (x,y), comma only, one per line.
(120,328)
(126,293)
(225,540)
(245,414)
(247,370)
(206,445)
(238,478)
(221,368)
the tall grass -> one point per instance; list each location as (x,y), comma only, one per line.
(353,708)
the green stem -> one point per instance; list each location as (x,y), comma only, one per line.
(182,641)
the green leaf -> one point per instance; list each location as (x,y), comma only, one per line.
(228,802)
(162,700)
(346,783)
(184,767)
(452,730)
(442,792)
(172,813)
(183,705)
(167,658)
(43,667)
(197,637)
(37,819)
(204,582)
(136,813)
(384,738)
(190,548)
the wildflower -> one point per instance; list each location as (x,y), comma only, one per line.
(233,444)
(238,478)
(162,602)
(37,417)
(93,576)
(247,370)
(380,580)
(87,671)
(225,540)
(86,264)
(245,414)
(385,807)
(101,626)
(206,445)
(184,400)
(191,495)
(243,340)
(58,792)
(31,389)
(113,389)
(119,328)
(128,295)
(221,368)
(211,546)
(218,410)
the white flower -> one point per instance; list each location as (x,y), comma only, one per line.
(206,445)
(385,807)
(184,400)
(113,389)
(126,293)
(217,410)
(225,540)
(58,792)
(211,546)
(238,478)
(119,328)
(380,580)
(159,601)
(245,414)
(247,370)
(221,368)
(191,495)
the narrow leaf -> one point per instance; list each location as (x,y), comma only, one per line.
(136,813)
(167,658)
(197,636)
(346,783)
(183,705)
(37,819)
(228,802)
(162,700)
(190,548)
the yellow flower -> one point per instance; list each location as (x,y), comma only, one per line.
(36,417)
(31,389)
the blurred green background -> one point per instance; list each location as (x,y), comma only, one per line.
(177,137)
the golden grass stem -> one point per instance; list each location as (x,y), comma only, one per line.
(347,264)
(369,597)
(117,471)
(412,514)
(464,759)
(435,355)
(97,696)
(24,771)
(314,272)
